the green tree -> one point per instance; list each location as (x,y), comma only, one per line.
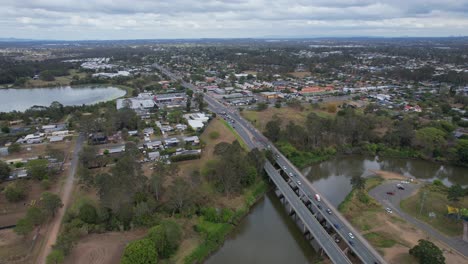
(4,170)
(55,257)
(23,227)
(37,169)
(358,182)
(47,76)
(50,202)
(35,215)
(427,253)
(88,214)
(430,139)
(455,192)
(262,106)
(273,130)
(140,252)
(15,191)
(166,237)
(14,148)
(200,101)
(462,150)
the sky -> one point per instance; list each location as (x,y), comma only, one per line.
(166,19)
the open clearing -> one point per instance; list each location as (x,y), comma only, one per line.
(260,119)
(102,248)
(388,233)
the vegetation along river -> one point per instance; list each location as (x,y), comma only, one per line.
(268,234)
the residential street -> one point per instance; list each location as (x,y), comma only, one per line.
(65,194)
(393,201)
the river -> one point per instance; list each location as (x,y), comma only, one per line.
(22,99)
(268,235)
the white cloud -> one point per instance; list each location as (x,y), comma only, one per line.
(117,19)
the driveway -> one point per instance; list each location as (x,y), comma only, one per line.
(393,201)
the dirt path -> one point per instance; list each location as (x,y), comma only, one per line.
(65,194)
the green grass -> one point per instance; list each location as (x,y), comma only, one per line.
(380,239)
(303,159)
(435,201)
(233,131)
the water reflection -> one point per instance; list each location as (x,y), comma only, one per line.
(332,177)
(266,235)
(22,99)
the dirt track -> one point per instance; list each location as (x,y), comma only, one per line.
(65,194)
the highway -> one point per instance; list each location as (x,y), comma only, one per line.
(325,241)
(255,139)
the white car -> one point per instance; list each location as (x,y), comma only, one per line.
(388,210)
(299,182)
(351,235)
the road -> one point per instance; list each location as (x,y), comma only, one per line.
(255,138)
(393,201)
(326,242)
(53,229)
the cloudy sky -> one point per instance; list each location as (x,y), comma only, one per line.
(152,19)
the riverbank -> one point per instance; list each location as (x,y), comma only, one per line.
(391,235)
(215,234)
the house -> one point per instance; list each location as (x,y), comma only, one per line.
(181,127)
(56,138)
(316,90)
(18,174)
(115,150)
(171,142)
(194,140)
(153,144)
(269,95)
(98,138)
(148,131)
(133,132)
(153,155)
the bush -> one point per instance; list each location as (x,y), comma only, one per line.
(45,184)
(88,214)
(184,157)
(15,192)
(214,135)
(140,252)
(166,237)
(14,148)
(55,257)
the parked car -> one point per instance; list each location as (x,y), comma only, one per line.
(388,210)
(337,226)
(329,211)
(299,182)
(400,187)
(337,240)
(390,193)
(319,206)
(351,235)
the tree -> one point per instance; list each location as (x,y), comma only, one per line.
(358,182)
(23,227)
(430,139)
(455,192)
(35,215)
(47,76)
(462,150)
(37,169)
(273,129)
(180,195)
(262,106)
(166,237)
(50,202)
(4,170)
(55,257)
(200,101)
(427,253)
(14,148)
(140,252)
(15,191)
(88,214)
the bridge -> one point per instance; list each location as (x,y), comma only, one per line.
(320,221)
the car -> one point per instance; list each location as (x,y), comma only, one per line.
(337,226)
(388,210)
(351,242)
(390,193)
(299,182)
(284,167)
(401,187)
(351,235)
(291,174)
(337,240)
(319,206)
(329,211)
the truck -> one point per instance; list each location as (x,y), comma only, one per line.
(317,197)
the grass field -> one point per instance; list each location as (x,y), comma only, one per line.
(435,201)
(59,81)
(260,119)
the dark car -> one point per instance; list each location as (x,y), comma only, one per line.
(401,187)
(390,193)
(351,242)
(337,226)
(319,206)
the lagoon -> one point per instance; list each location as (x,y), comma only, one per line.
(22,99)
